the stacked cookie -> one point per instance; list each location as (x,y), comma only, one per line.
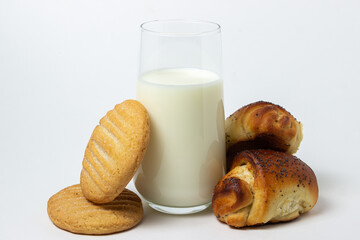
(100,204)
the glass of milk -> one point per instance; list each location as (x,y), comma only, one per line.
(181,87)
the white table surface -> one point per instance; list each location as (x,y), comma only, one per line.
(64,64)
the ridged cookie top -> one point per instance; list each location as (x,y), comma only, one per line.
(70,210)
(115,151)
(262,125)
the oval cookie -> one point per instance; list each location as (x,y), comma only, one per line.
(115,151)
(70,210)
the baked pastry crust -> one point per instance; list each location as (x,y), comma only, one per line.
(262,125)
(115,151)
(70,210)
(264,186)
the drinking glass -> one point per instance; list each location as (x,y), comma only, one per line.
(180,85)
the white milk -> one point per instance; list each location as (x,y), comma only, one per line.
(186,154)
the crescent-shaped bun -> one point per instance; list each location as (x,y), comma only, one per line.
(262,125)
(264,186)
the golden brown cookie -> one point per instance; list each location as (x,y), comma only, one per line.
(115,151)
(70,210)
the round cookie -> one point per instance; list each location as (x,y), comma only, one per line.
(70,210)
(115,151)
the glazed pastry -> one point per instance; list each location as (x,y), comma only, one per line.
(264,186)
(262,125)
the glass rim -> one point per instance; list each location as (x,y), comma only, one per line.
(215,29)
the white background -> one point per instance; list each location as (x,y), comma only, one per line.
(64,64)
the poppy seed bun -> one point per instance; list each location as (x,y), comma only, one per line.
(262,125)
(264,186)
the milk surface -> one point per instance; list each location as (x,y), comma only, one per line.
(186,154)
